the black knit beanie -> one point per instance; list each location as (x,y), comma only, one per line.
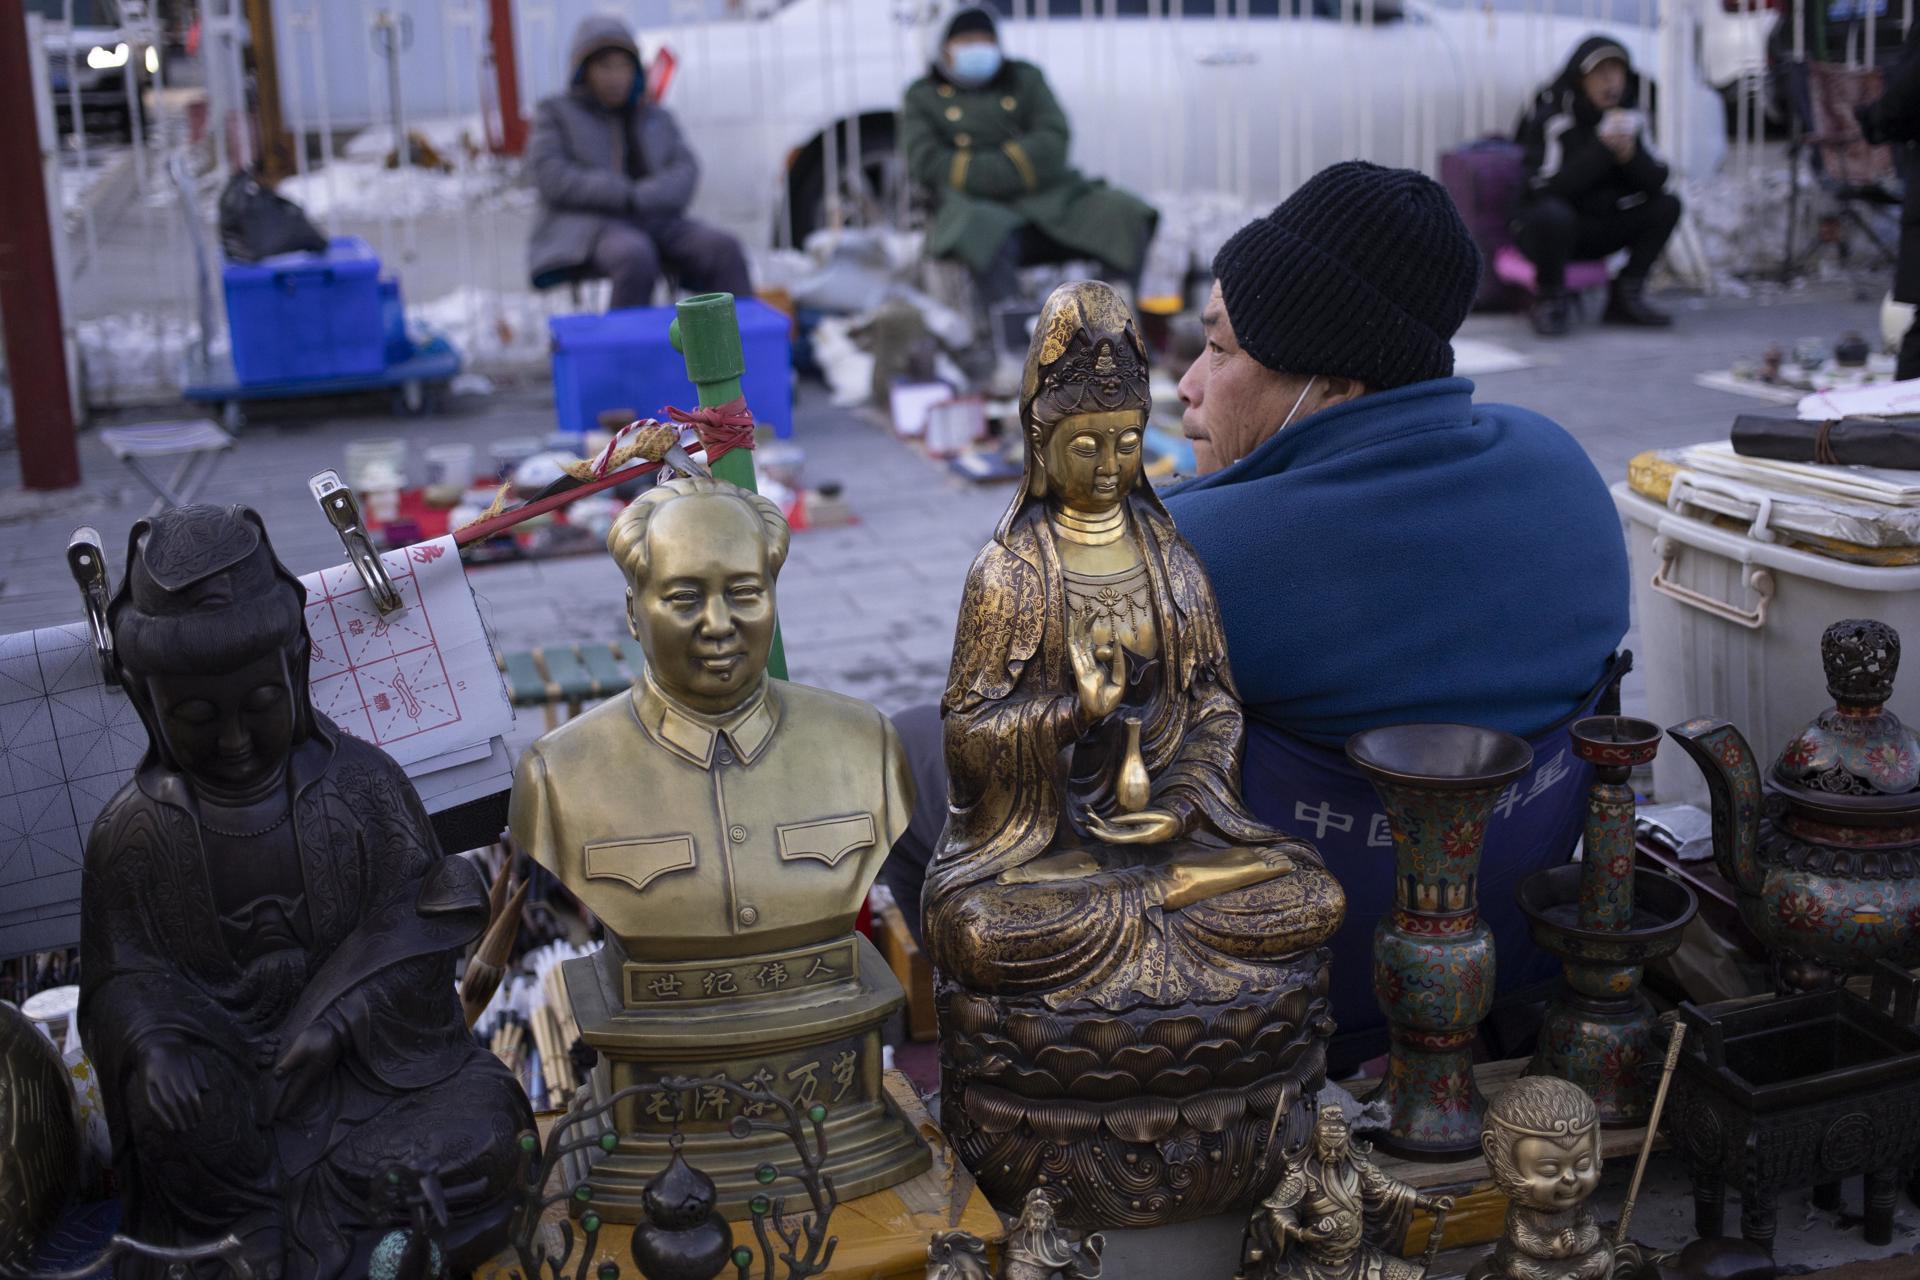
(1365,272)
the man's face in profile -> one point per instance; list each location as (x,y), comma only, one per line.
(1233,402)
(705,613)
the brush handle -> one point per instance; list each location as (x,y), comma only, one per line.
(1653,1127)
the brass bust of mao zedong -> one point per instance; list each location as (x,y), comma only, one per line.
(1132,982)
(724,827)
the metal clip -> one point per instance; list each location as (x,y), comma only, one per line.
(88,564)
(343,512)
(678,458)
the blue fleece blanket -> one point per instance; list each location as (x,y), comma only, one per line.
(1412,557)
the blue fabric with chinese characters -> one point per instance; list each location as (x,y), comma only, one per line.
(1411,556)
(1312,792)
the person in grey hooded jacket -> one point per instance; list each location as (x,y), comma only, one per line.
(615,178)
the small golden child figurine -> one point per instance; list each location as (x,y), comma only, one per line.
(1542,1142)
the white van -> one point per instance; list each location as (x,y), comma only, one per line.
(792,108)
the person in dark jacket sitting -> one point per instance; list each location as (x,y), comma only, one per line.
(984,133)
(1893,119)
(1594,186)
(615,178)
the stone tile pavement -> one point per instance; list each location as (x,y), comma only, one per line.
(868,609)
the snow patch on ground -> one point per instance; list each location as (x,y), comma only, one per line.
(138,359)
(1742,220)
(492,330)
(451,136)
(366,189)
(1193,226)
(77,182)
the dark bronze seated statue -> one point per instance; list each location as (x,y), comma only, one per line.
(1132,978)
(268,940)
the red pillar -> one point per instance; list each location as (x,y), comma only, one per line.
(506,71)
(29,290)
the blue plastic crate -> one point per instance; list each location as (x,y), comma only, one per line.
(393,322)
(623,360)
(302,316)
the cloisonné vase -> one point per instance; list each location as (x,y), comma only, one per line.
(1432,955)
(1606,922)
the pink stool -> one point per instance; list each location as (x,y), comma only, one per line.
(1512,267)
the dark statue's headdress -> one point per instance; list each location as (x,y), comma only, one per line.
(204,594)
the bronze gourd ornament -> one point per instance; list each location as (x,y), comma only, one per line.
(1132,987)
(268,937)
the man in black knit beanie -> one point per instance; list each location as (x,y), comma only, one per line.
(1385,550)
(1356,283)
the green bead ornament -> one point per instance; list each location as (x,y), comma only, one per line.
(583,1193)
(743,1257)
(529,1143)
(609,1270)
(760,1204)
(590,1222)
(766,1173)
(816,1113)
(609,1140)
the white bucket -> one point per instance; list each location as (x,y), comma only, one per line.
(1730,627)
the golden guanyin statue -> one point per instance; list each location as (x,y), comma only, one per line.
(1132,984)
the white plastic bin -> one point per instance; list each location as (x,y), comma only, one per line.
(1730,627)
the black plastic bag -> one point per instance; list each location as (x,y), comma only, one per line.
(257,222)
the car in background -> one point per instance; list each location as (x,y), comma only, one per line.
(792,107)
(93,59)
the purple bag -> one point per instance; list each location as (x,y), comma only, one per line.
(1485,180)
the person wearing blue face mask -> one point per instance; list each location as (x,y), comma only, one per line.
(983,132)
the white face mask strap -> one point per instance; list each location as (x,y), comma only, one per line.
(1298,401)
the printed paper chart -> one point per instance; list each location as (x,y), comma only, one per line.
(381,679)
(68,741)
(420,683)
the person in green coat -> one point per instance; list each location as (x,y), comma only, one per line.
(984,133)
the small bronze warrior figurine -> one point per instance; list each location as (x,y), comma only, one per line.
(268,937)
(1542,1142)
(1335,1216)
(1122,947)
(1036,1249)
(957,1255)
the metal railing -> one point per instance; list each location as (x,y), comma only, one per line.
(1214,109)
